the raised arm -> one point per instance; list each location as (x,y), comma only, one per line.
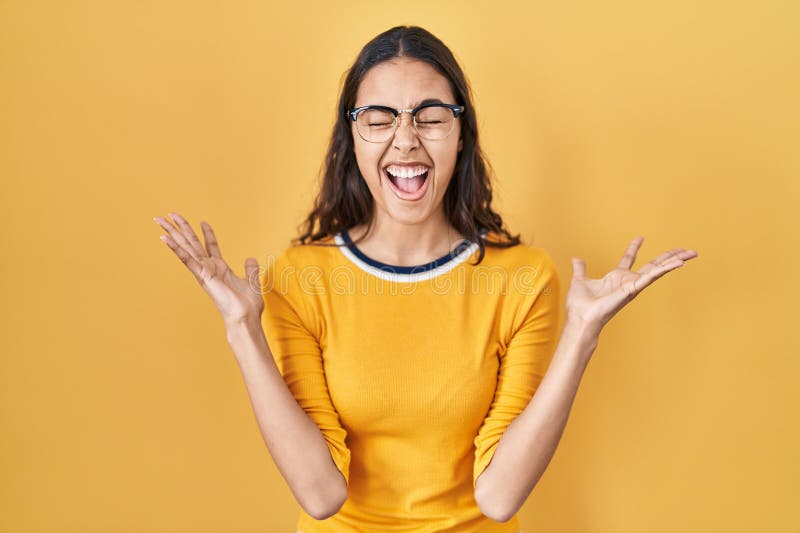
(530,441)
(307,446)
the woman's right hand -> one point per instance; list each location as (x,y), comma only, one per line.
(238,299)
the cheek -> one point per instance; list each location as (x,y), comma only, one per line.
(367,158)
(445,157)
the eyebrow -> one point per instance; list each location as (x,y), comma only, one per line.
(426,101)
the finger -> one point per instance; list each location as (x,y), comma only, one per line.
(630,254)
(211,240)
(187,259)
(251,273)
(660,260)
(578,268)
(177,237)
(654,273)
(190,235)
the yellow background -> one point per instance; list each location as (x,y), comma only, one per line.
(122,406)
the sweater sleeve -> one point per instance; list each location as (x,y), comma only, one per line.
(297,353)
(524,358)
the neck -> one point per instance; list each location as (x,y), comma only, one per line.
(395,243)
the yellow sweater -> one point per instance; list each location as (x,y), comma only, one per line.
(411,373)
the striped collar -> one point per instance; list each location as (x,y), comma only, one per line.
(405,273)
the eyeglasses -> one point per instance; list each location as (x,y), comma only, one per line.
(378,123)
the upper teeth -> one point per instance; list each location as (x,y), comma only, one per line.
(406,172)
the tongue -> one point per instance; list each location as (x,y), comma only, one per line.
(410,184)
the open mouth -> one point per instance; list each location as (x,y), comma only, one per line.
(409,183)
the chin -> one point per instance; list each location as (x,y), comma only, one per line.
(404,217)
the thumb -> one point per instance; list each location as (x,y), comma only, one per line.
(578,268)
(251,272)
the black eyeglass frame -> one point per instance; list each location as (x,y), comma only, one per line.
(456,109)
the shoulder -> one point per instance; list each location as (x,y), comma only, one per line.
(300,267)
(301,255)
(529,271)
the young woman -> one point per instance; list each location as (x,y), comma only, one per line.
(392,377)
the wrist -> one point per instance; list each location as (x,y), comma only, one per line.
(582,332)
(245,318)
(238,328)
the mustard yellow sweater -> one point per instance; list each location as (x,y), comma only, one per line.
(411,373)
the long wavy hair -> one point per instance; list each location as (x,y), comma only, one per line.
(344,200)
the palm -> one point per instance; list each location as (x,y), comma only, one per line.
(596,301)
(236,298)
(232,294)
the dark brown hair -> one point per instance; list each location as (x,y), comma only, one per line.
(344,200)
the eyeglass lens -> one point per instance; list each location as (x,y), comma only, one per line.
(378,125)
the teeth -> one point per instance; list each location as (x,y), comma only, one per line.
(406,172)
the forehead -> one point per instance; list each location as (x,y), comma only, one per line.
(402,83)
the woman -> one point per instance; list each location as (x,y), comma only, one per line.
(392,379)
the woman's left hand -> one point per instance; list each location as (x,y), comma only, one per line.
(595,301)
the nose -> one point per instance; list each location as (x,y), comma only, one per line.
(405,136)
